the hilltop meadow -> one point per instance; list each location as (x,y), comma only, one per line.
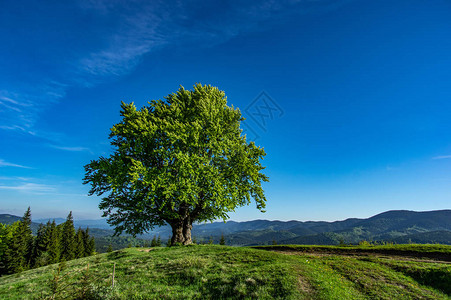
(224,272)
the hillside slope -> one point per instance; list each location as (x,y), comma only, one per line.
(219,272)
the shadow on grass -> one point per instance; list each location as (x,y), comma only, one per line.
(439,279)
(117,255)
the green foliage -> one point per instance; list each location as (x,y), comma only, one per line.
(68,239)
(19,246)
(222,240)
(3,246)
(20,250)
(79,245)
(88,243)
(9,261)
(153,243)
(54,247)
(176,161)
(40,257)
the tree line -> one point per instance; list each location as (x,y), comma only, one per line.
(20,250)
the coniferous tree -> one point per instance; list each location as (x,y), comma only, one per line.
(154,242)
(109,249)
(10,261)
(26,238)
(6,251)
(67,239)
(91,246)
(79,244)
(159,241)
(88,243)
(20,247)
(40,247)
(3,246)
(222,240)
(54,248)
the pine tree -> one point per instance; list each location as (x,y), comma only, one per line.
(54,247)
(109,249)
(222,240)
(159,241)
(21,244)
(67,239)
(79,244)
(19,249)
(39,247)
(8,260)
(3,247)
(26,238)
(154,242)
(88,243)
(92,246)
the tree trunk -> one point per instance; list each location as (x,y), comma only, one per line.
(181,232)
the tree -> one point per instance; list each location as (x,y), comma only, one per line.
(54,247)
(154,242)
(3,246)
(79,244)
(222,240)
(88,243)
(177,161)
(68,239)
(40,246)
(8,255)
(26,238)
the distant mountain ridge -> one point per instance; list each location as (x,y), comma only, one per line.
(399,226)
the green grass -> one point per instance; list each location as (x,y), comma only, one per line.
(221,272)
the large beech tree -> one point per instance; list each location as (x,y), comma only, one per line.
(177,161)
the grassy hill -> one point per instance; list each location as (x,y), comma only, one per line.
(219,272)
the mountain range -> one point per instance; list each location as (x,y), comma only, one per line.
(398,226)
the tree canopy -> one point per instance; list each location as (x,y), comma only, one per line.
(176,161)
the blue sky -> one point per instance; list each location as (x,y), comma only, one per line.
(360,92)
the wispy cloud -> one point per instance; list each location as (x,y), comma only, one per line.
(29,187)
(24,103)
(129,31)
(442,157)
(15,178)
(73,149)
(4,163)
